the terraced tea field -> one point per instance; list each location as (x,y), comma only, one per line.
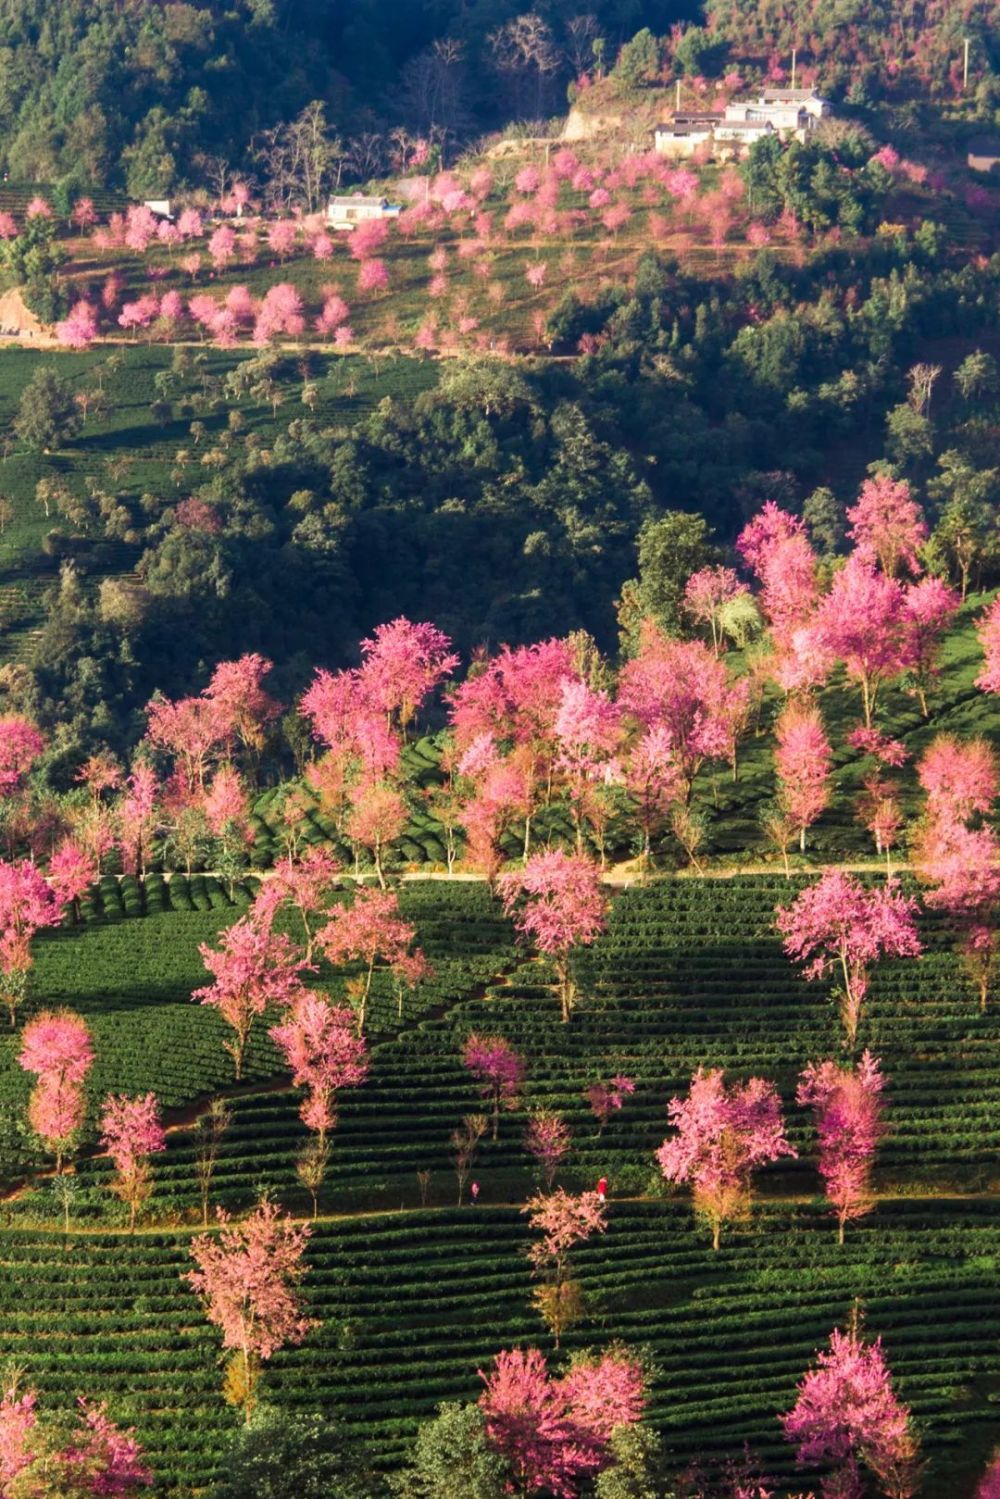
(413,1300)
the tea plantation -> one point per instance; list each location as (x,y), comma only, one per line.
(414,1299)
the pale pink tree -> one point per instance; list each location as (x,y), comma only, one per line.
(557,903)
(879,807)
(548,1139)
(137,814)
(245,708)
(27,903)
(373,276)
(803,760)
(222,247)
(280,313)
(371,931)
(56,1046)
(863,622)
(79,328)
(556,1433)
(848,1110)
(607,1098)
(654,783)
(563,1220)
(83,215)
(499,1069)
(306,884)
(848,1417)
(281,237)
(248,1277)
(988,631)
(140,314)
(588,730)
(131,1132)
(837,923)
(960,778)
(887,526)
(930,607)
(253,968)
(705,595)
(723,1136)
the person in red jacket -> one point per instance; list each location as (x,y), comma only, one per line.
(602,1188)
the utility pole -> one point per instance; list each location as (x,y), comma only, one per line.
(965,65)
(677,99)
(794,55)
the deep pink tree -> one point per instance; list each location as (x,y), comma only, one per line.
(325,1054)
(960,777)
(723,1135)
(137,814)
(848,1109)
(607,1098)
(253,968)
(72,871)
(369,931)
(95,1459)
(836,922)
(21,743)
(654,783)
(557,903)
(989,1484)
(401,665)
(930,607)
(27,903)
(863,622)
(132,1131)
(499,1069)
(680,686)
(774,545)
(248,1277)
(56,1046)
(803,760)
(556,1433)
(887,526)
(244,707)
(848,1417)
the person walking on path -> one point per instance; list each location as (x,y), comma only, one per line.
(474,1193)
(602,1188)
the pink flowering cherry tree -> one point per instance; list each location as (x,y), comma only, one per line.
(563,1220)
(92,1459)
(723,1135)
(131,1132)
(27,903)
(548,1139)
(371,931)
(56,1046)
(803,760)
(887,525)
(988,632)
(557,903)
(849,1419)
(607,1098)
(248,1276)
(837,923)
(253,968)
(848,1110)
(498,1068)
(556,1433)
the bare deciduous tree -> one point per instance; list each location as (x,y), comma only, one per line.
(921,380)
(525,53)
(301,159)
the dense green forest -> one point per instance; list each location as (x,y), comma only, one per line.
(152,98)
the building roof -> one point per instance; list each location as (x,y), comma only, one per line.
(791,95)
(358,200)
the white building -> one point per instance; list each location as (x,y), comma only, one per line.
(781,112)
(347,212)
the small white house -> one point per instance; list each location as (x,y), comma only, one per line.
(348,212)
(159,206)
(781,112)
(682,136)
